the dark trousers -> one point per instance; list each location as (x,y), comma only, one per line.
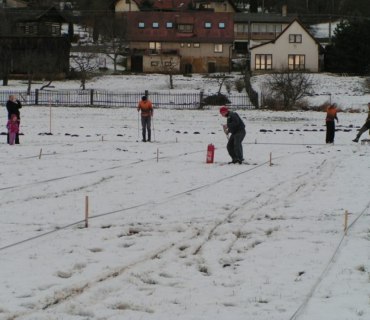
(234,146)
(146,124)
(330,131)
(364,128)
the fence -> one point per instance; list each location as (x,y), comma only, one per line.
(101,98)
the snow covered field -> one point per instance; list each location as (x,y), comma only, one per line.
(171,237)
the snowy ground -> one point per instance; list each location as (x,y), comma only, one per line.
(171,237)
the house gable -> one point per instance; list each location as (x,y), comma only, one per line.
(295,49)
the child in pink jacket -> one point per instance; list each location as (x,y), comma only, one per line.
(13,128)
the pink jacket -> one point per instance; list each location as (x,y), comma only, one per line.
(13,126)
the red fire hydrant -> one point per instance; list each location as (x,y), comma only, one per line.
(210,153)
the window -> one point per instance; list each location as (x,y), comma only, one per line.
(241,28)
(185,28)
(263,62)
(207,25)
(196,45)
(141,25)
(188,45)
(295,38)
(218,48)
(155,25)
(221,25)
(296,62)
(154,45)
(169,25)
(182,45)
(259,27)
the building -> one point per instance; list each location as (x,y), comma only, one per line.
(31,42)
(293,49)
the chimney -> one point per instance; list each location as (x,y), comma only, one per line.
(284,10)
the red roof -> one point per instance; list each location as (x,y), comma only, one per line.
(154,26)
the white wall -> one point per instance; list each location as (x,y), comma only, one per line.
(281,48)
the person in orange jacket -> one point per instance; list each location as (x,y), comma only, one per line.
(331,115)
(146,108)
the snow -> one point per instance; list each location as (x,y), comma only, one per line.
(171,237)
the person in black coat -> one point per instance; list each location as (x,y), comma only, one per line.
(236,127)
(13,105)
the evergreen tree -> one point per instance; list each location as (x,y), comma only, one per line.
(350,49)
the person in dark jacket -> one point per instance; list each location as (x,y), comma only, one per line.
(236,127)
(331,115)
(13,105)
(365,127)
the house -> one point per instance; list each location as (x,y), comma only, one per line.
(178,35)
(174,5)
(189,41)
(251,29)
(31,42)
(293,49)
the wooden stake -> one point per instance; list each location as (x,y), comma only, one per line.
(102,138)
(270,159)
(86,211)
(40,153)
(345,221)
(157,154)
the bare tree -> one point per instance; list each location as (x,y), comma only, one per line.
(113,39)
(169,66)
(288,87)
(85,64)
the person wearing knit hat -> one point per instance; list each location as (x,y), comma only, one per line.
(236,127)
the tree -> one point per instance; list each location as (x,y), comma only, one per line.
(169,66)
(113,39)
(350,49)
(85,64)
(287,88)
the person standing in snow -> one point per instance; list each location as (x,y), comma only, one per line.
(146,108)
(13,128)
(13,105)
(236,127)
(331,115)
(365,127)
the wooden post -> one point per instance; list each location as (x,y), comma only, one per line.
(86,211)
(102,138)
(270,159)
(40,153)
(157,154)
(345,221)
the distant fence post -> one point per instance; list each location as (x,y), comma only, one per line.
(36,96)
(201,97)
(92,97)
